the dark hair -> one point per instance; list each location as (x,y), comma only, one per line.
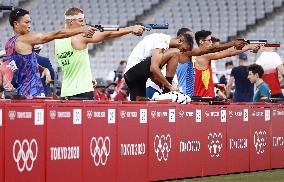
(229,63)
(122,62)
(183,31)
(187,39)
(16,14)
(201,35)
(255,68)
(215,39)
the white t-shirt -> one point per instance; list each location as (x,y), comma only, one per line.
(269,61)
(214,71)
(144,48)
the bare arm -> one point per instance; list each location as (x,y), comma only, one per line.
(201,51)
(229,86)
(263,99)
(229,53)
(41,38)
(101,36)
(156,60)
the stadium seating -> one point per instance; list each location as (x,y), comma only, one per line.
(271,30)
(225,18)
(15,2)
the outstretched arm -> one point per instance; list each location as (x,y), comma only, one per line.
(101,36)
(216,48)
(229,53)
(41,38)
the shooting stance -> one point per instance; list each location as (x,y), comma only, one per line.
(72,54)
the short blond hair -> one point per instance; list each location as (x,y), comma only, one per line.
(73,11)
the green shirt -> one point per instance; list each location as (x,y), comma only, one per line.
(75,64)
(262,90)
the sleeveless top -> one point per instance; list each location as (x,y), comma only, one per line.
(27,77)
(203,83)
(75,64)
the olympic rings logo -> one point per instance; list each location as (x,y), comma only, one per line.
(259,141)
(24,152)
(215,144)
(100,150)
(89,114)
(12,115)
(162,147)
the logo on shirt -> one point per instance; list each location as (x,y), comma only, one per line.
(64,57)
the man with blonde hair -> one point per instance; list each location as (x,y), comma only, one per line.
(72,55)
(21,55)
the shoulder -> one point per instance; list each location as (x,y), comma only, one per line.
(264,86)
(236,69)
(164,35)
(42,58)
(158,36)
(58,41)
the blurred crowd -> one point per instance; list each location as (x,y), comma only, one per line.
(114,87)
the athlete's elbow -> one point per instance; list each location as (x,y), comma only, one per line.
(59,34)
(154,69)
(43,40)
(213,49)
(47,38)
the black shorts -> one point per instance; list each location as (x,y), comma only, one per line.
(280,95)
(82,96)
(136,78)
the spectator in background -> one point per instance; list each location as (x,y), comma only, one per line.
(6,76)
(262,91)
(120,77)
(113,74)
(215,41)
(225,78)
(111,89)
(271,63)
(99,90)
(45,62)
(243,87)
(123,94)
(57,86)
(2,55)
(281,80)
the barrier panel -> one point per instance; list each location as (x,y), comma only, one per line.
(214,133)
(64,141)
(277,145)
(190,153)
(238,138)
(90,141)
(260,138)
(163,144)
(2,123)
(25,142)
(132,142)
(99,142)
